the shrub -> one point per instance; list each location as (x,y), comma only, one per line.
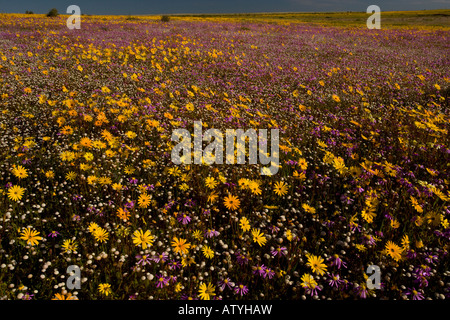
(29,12)
(53,13)
(165,18)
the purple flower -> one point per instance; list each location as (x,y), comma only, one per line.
(280,251)
(161,257)
(53,234)
(169,205)
(143,259)
(226,283)
(345,284)
(335,280)
(368,239)
(411,254)
(329,223)
(186,297)
(346,200)
(355,226)
(274,229)
(423,270)
(361,291)
(129,204)
(312,290)
(190,203)
(161,281)
(183,218)
(416,295)
(241,258)
(336,261)
(268,273)
(259,269)
(431,258)
(173,265)
(241,289)
(211,233)
(379,234)
(27,296)
(422,281)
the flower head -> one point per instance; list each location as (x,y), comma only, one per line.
(15,193)
(316,264)
(30,236)
(206,291)
(180,245)
(144,239)
(105,288)
(232,202)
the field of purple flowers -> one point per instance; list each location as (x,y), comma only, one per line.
(86,177)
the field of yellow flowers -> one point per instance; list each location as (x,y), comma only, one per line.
(86,177)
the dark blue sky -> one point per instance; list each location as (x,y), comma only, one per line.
(215,6)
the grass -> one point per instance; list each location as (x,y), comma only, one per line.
(389,19)
(429,18)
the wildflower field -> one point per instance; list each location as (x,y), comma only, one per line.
(86,177)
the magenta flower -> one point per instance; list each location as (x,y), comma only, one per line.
(268,273)
(143,260)
(161,281)
(226,283)
(173,265)
(183,218)
(313,290)
(361,291)
(431,258)
(241,289)
(274,229)
(416,295)
(211,233)
(280,251)
(184,296)
(27,296)
(241,258)
(259,269)
(334,280)
(336,261)
(160,257)
(129,205)
(53,234)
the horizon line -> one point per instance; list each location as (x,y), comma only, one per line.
(229,13)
